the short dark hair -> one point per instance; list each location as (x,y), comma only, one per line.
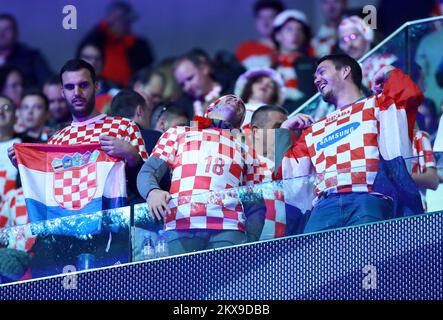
(278,6)
(76,65)
(125,102)
(342,60)
(38,93)
(257,116)
(167,110)
(89,43)
(11,19)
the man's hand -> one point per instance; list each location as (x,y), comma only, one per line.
(299,121)
(12,157)
(120,148)
(380,78)
(157,201)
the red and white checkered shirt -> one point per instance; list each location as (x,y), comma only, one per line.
(90,130)
(203,160)
(345,146)
(273,195)
(13,214)
(372,64)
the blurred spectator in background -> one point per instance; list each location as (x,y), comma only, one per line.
(60,116)
(257,88)
(427,118)
(325,40)
(173,91)
(93,54)
(29,61)
(124,52)
(256,53)
(33,113)
(193,72)
(356,39)
(11,83)
(292,34)
(166,116)
(8,173)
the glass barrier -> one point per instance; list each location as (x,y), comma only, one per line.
(64,245)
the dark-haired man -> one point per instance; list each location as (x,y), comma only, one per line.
(208,162)
(353,149)
(118,137)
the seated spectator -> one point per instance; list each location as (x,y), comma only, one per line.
(124,52)
(254,54)
(92,53)
(355,39)
(29,61)
(193,72)
(33,113)
(326,38)
(11,83)
(292,34)
(129,104)
(257,88)
(60,116)
(8,173)
(168,116)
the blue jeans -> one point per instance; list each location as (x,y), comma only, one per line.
(347,209)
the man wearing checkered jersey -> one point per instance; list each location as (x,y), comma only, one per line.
(207,161)
(357,151)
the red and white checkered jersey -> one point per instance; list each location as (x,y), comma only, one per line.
(203,160)
(273,195)
(422,152)
(8,173)
(90,130)
(13,214)
(372,64)
(345,146)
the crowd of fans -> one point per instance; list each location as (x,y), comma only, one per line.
(275,70)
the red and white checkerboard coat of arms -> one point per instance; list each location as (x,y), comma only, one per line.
(75,187)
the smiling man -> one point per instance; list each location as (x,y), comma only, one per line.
(353,148)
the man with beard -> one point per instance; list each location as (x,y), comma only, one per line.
(118,137)
(357,151)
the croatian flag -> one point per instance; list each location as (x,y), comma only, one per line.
(60,181)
